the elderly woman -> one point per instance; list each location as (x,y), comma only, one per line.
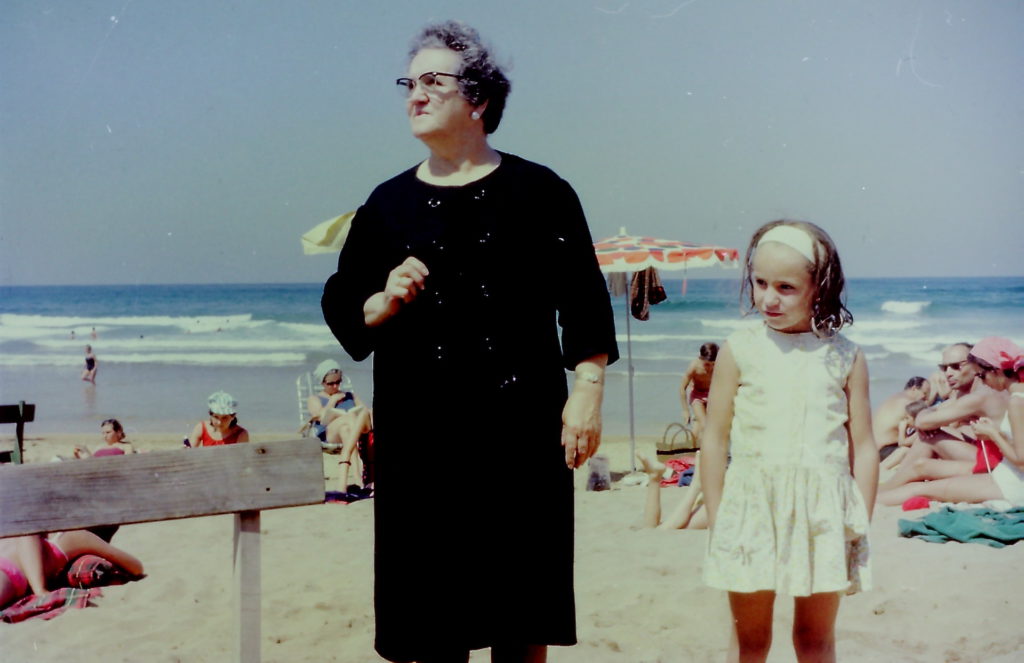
(1001,367)
(337,415)
(455,273)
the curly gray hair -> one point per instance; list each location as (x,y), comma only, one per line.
(484,80)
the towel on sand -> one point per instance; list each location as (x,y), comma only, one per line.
(677,466)
(85,576)
(983,525)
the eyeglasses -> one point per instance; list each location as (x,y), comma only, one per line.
(332,383)
(429,81)
(956,366)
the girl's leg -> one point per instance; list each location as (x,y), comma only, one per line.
(652,506)
(519,654)
(814,621)
(752,625)
(965,488)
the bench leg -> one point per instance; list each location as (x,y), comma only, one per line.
(247,584)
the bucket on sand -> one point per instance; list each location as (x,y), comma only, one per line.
(600,473)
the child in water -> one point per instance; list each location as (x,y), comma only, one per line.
(789,402)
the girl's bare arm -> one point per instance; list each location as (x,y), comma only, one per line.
(715,442)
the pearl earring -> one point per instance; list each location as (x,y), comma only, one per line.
(475,115)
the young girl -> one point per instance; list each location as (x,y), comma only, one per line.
(789,402)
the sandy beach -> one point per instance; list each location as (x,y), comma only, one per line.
(639,595)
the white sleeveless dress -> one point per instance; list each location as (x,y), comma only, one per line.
(791,519)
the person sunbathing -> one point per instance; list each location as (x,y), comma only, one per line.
(943,431)
(33,564)
(114,442)
(338,416)
(1000,364)
(905,431)
(689,514)
(222,426)
(886,419)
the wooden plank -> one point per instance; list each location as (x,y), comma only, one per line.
(161,485)
(247,585)
(17,414)
(9,414)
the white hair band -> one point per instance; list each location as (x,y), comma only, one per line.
(795,238)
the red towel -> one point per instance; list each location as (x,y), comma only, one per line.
(677,466)
(49,605)
(914,503)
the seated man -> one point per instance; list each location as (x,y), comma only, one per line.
(886,419)
(943,431)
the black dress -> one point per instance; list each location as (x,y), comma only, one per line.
(473,501)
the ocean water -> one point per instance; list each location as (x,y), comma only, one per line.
(162,349)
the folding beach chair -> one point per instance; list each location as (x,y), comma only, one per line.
(305,386)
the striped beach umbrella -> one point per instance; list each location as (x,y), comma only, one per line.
(631,253)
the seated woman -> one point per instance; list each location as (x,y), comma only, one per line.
(690,514)
(1001,365)
(33,564)
(338,416)
(113,437)
(222,426)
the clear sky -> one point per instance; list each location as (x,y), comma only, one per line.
(146,141)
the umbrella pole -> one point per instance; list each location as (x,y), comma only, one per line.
(629,354)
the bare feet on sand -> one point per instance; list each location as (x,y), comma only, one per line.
(653,468)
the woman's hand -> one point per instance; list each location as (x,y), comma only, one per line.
(984,429)
(404,283)
(581,423)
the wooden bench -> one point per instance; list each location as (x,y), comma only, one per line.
(164,485)
(16,414)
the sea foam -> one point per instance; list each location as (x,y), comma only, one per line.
(905,308)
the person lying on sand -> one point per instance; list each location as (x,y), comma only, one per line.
(34,564)
(689,514)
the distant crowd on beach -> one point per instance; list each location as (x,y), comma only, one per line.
(32,566)
(946,437)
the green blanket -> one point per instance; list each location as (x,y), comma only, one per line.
(986,526)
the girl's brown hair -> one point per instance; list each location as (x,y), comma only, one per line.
(828,308)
